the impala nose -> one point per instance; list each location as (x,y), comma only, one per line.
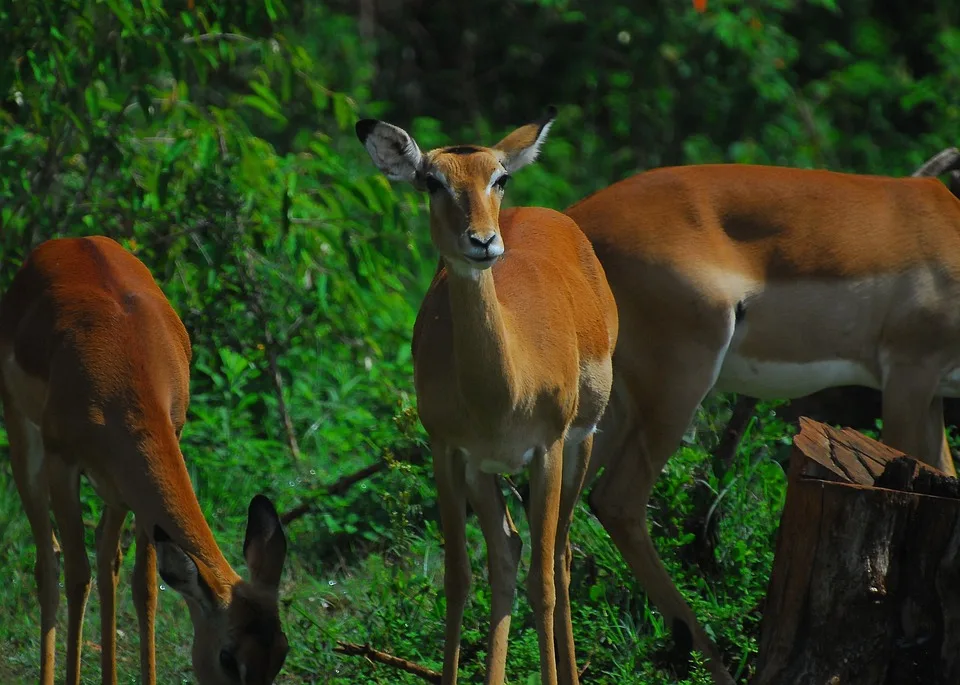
(484,246)
(482,241)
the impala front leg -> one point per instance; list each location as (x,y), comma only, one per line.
(576,459)
(503,559)
(546,477)
(448,470)
(145,601)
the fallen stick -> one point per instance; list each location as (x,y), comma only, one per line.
(375,655)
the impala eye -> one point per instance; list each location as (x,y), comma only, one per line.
(501,182)
(228,663)
(433,185)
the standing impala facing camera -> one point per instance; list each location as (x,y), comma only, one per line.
(94,378)
(512,362)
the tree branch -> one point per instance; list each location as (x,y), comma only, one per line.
(337,488)
(412,455)
(375,655)
(213,37)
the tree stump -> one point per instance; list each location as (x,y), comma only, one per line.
(865,588)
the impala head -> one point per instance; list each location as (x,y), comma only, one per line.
(237,640)
(465,183)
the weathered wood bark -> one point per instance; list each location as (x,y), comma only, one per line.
(865,588)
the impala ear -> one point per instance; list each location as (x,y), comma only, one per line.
(392,149)
(942,162)
(265,545)
(523,145)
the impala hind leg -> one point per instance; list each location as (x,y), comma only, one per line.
(448,471)
(64,482)
(619,501)
(655,399)
(503,559)
(913,415)
(576,459)
(145,601)
(108,573)
(27,460)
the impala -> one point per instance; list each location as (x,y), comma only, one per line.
(94,376)
(852,406)
(512,368)
(773,283)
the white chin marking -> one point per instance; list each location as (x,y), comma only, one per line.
(463,269)
(466,268)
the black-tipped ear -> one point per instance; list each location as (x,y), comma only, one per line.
(549,115)
(364,127)
(942,162)
(264,545)
(522,146)
(392,149)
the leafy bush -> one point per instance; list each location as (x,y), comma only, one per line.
(215,141)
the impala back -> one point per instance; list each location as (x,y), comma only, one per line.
(827,274)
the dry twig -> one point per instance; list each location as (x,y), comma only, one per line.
(375,655)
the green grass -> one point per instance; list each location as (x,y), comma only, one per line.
(367,567)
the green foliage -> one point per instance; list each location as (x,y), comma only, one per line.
(215,141)
(295,268)
(864,86)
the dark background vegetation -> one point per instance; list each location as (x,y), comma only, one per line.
(215,140)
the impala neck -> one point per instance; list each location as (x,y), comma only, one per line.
(481,339)
(170,503)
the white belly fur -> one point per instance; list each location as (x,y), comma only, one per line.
(508,465)
(768,380)
(788,380)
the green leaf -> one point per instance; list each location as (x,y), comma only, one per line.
(122,13)
(174,151)
(264,92)
(342,111)
(263,106)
